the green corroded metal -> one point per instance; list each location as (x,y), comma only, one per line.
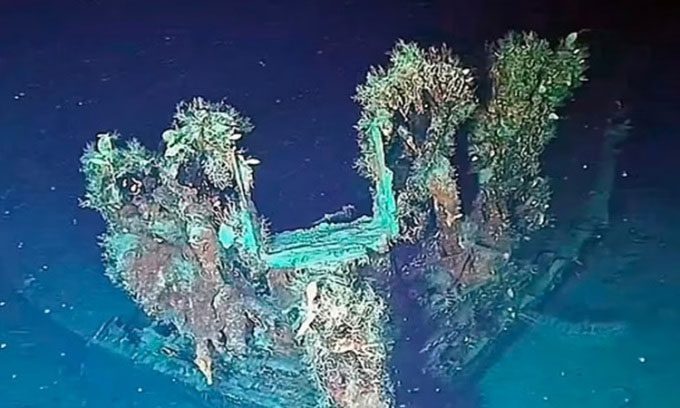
(327,245)
(335,245)
(384,202)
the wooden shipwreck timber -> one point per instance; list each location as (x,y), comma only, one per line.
(302,318)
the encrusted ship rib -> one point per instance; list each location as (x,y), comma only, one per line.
(251,318)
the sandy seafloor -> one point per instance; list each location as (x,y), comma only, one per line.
(607,339)
(628,293)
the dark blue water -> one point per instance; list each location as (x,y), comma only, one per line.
(71,69)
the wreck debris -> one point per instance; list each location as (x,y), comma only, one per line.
(184,238)
(312,309)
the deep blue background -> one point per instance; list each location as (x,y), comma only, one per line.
(73,68)
(70,69)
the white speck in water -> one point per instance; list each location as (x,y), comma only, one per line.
(2,303)
(3,345)
(140,389)
(47,311)
(642,360)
